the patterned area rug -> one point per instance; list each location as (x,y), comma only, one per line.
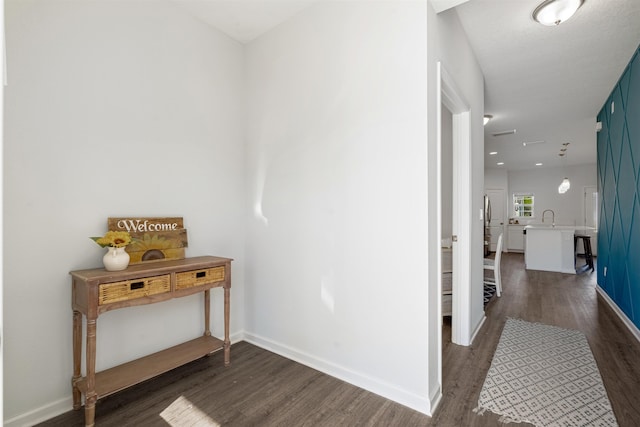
(489,292)
(546,376)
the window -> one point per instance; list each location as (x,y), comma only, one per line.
(523,205)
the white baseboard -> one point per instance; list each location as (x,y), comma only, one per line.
(419,403)
(628,323)
(477,330)
(41,414)
(58,407)
(435,398)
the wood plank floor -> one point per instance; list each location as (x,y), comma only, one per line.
(565,300)
(263,389)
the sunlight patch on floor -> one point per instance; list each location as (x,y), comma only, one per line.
(183,413)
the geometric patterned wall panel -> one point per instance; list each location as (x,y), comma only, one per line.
(619,190)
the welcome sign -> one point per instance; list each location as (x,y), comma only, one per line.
(153,239)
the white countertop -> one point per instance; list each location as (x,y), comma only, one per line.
(558,227)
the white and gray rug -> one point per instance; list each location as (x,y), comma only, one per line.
(546,376)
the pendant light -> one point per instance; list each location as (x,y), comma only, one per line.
(565,185)
(555,12)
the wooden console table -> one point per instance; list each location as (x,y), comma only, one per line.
(97,291)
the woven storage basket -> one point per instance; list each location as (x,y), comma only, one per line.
(131,289)
(446,282)
(193,278)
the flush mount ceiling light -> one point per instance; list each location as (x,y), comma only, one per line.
(555,12)
(486,119)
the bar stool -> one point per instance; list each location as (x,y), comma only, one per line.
(586,244)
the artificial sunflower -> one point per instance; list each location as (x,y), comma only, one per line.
(116,239)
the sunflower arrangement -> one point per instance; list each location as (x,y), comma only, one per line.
(115,239)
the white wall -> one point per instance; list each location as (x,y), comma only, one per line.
(340,181)
(336,155)
(543,183)
(496,179)
(112,109)
(2,61)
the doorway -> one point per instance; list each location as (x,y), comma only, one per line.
(451,100)
(446,214)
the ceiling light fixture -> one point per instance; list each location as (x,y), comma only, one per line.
(564,186)
(500,163)
(538,164)
(505,132)
(555,12)
(486,119)
(493,153)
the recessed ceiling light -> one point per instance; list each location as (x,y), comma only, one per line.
(493,153)
(500,163)
(538,164)
(486,118)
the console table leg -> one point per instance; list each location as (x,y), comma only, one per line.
(227,311)
(91,397)
(90,410)
(207,313)
(77,359)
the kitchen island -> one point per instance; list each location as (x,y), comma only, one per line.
(551,247)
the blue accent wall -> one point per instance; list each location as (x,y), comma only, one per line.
(619,190)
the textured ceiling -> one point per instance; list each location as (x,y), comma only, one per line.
(548,83)
(243,20)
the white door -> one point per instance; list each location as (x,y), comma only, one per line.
(591,206)
(497,197)
(591,215)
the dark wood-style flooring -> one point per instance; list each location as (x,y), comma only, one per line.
(264,389)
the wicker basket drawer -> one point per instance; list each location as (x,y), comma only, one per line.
(446,283)
(132,289)
(189,279)
(446,305)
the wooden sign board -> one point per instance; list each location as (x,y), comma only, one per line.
(153,239)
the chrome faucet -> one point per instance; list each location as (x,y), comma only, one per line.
(553,217)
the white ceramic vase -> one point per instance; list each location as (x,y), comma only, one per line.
(116,259)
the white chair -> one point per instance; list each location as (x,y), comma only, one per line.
(494,264)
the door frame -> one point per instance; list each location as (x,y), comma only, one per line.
(452,98)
